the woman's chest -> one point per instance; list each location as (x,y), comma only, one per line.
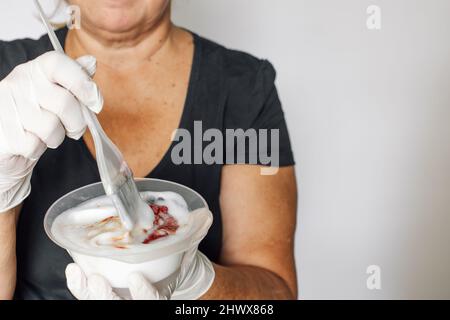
(141,121)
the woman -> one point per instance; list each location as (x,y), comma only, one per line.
(151,78)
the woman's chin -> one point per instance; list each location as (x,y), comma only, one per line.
(120,21)
(116,21)
(116,28)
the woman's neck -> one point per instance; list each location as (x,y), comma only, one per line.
(125,50)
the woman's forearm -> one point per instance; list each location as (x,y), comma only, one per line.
(8,222)
(247,282)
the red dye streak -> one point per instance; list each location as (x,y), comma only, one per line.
(169,224)
(107,219)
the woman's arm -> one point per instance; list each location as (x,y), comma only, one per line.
(257,259)
(8,223)
(247,283)
(259,217)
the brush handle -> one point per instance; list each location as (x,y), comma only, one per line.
(115,174)
(112,167)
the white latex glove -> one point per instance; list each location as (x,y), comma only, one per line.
(195,278)
(39,106)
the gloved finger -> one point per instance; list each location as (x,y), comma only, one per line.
(62,103)
(16,140)
(141,289)
(206,218)
(45,125)
(30,146)
(89,64)
(66,72)
(100,289)
(31,117)
(77,282)
(197,280)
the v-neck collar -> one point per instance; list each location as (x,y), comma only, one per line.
(187,108)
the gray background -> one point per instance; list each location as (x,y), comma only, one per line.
(368,113)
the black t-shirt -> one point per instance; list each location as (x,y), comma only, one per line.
(227,90)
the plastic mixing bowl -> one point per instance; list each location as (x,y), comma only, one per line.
(157,263)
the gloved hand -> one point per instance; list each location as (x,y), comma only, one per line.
(193,281)
(39,106)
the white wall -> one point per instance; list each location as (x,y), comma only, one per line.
(368,113)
